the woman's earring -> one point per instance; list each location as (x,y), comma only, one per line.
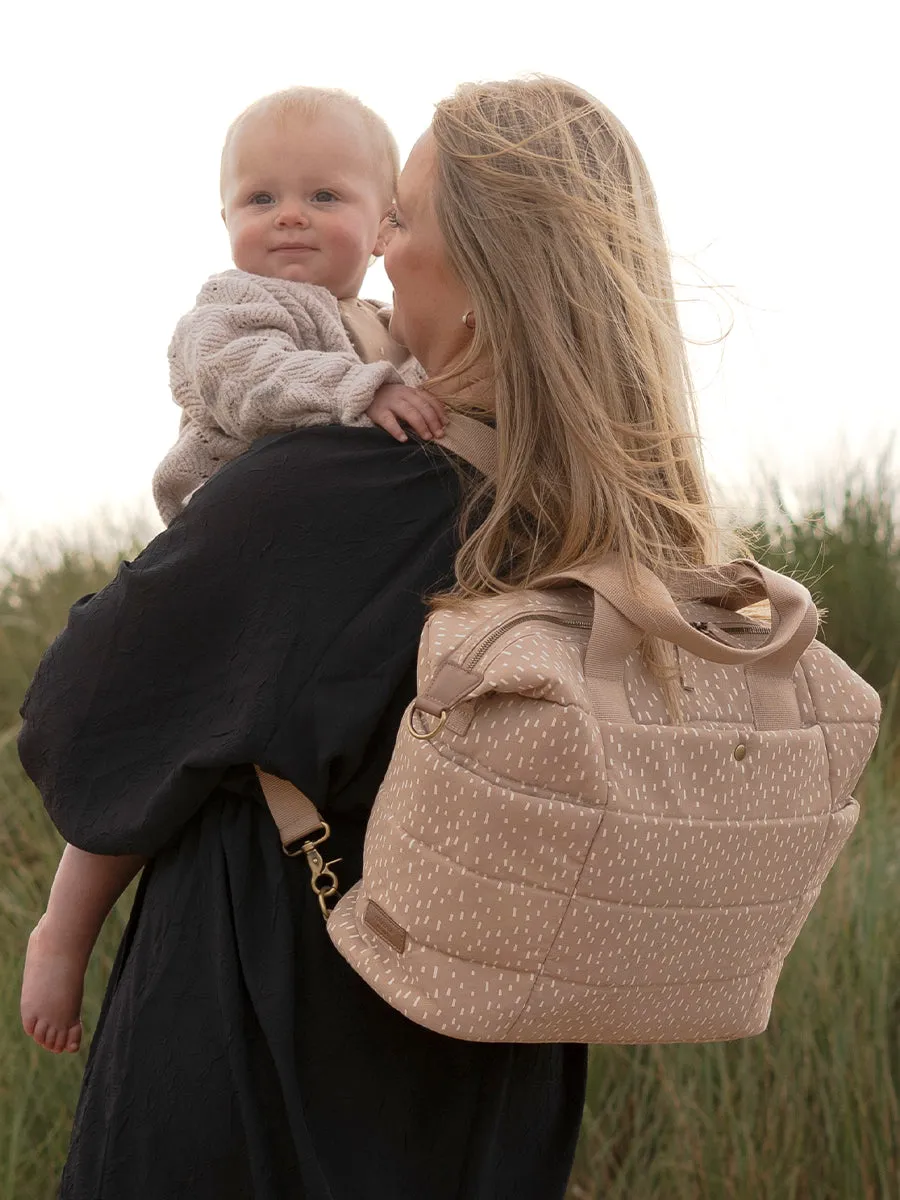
(469,319)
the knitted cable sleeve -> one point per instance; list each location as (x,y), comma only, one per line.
(257,356)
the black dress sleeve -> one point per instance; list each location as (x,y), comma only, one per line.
(271,623)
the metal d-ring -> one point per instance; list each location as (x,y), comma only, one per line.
(429,734)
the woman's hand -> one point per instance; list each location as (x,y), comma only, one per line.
(422,412)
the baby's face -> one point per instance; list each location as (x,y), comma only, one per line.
(304,200)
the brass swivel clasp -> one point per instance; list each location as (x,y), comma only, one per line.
(324,882)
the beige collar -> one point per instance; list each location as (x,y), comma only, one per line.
(366,324)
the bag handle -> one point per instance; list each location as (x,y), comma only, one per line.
(622,616)
(654,611)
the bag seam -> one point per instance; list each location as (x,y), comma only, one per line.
(540,887)
(449,754)
(777,955)
(562,979)
(706,723)
(455,656)
(642,986)
(510,1029)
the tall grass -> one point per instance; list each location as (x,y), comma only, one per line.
(808,1111)
(37,1090)
(844,545)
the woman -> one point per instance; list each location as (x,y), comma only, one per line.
(276,623)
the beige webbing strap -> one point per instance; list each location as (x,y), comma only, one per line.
(368,334)
(295,814)
(473,441)
(653,610)
(298,819)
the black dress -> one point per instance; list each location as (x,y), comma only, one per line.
(238,1056)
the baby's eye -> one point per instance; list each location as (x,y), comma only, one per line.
(391,217)
(324,197)
(262,198)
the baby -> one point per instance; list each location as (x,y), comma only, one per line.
(307,179)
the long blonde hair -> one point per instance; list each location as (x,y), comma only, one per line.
(551,222)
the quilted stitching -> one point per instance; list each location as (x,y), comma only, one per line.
(561,877)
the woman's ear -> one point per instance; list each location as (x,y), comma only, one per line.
(384,230)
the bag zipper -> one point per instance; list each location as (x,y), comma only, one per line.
(480,648)
(705,627)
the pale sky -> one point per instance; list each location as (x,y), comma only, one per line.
(767,129)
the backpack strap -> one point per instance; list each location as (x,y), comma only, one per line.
(295,814)
(472,440)
(302,831)
(300,825)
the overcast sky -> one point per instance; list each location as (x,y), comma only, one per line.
(769,130)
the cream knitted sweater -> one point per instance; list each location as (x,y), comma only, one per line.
(257,356)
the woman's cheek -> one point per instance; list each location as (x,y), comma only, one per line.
(389,257)
(403,324)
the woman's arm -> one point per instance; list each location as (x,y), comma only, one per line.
(266,625)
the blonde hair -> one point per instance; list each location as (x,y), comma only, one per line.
(551,222)
(308,102)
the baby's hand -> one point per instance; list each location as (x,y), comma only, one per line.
(395,402)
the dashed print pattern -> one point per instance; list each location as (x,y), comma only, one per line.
(691,771)
(640,859)
(562,877)
(560,749)
(640,946)
(556,831)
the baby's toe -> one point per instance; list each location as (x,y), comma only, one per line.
(57,1040)
(40,1031)
(73,1039)
(51,1037)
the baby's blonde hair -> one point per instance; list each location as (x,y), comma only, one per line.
(308,102)
(551,222)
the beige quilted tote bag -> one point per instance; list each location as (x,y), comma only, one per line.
(550,858)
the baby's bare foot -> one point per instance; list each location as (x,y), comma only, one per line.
(52,988)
